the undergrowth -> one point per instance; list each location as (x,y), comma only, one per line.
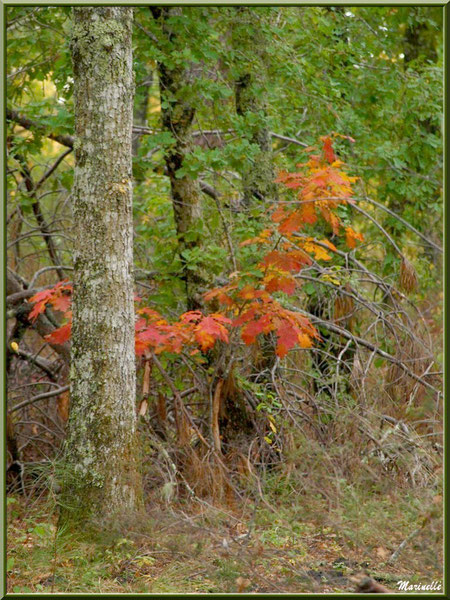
(283,540)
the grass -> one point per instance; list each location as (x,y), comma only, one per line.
(304,546)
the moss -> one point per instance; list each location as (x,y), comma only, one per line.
(100,478)
(94,36)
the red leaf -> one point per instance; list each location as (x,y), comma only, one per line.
(220,318)
(287,335)
(279,214)
(245,317)
(248,292)
(192,315)
(38,308)
(139,347)
(153,336)
(211,329)
(280,283)
(328,150)
(60,335)
(221,295)
(252,329)
(293,223)
(41,299)
(58,296)
(61,302)
(140,324)
(40,296)
(287,261)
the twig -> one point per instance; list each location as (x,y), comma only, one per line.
(396,554)
(380,227)
(50,394)
(288,139)
(405,223)
(366,344)
(180,403)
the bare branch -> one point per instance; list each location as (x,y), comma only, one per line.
(43,396)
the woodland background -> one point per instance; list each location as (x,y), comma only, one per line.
(268,464)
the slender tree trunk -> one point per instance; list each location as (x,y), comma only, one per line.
(140,118)
(250,98)
(101,480)
(37,210)
(177,116)
(257,178)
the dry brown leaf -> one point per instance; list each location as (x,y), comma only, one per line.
(382,552)
(146,380)
(408,277)
(242,584)
(143,408)
(63,406)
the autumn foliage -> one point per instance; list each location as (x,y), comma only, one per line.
(321,186)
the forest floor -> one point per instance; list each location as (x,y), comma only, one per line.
(200,548)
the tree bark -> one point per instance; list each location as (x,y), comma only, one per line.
(101,482)
(257,178)
(177,116)
(250,98)
(140,118)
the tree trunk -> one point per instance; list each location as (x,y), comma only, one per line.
(101,480)
(140,118)
(257,178)
(419,39)
(177,116)
(250,98)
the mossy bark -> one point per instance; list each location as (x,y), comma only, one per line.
(177,115)
(101,480)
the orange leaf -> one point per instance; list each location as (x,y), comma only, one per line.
(351,236)
(329,244)
(60,335)
(61,302)
(308,213)
(221,295)
(328,150)
(210,329)
(280,282)
(287,338)
(192,315)
(252,329)
(287,261)
(319,252)
(304,340)
(41,299)
(293,223)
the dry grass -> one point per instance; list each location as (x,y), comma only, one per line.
(308,543)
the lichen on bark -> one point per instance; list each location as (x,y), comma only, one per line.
(101,479)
